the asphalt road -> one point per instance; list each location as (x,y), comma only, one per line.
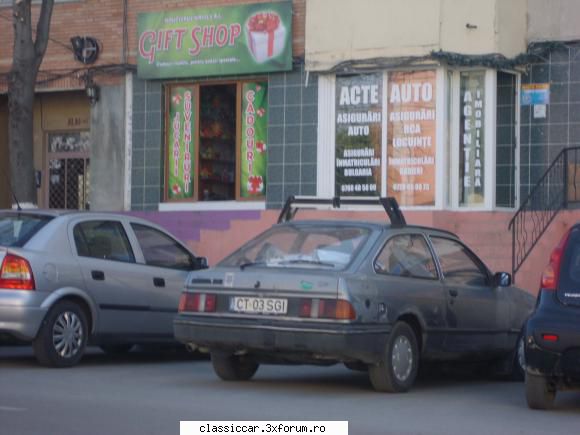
(150,393)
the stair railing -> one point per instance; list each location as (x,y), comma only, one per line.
(555,190)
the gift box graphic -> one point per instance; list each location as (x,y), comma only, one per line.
(266,36)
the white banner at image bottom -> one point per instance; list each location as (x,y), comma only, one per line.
(263,427)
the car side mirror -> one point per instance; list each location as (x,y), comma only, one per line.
(502,279)
(200,263)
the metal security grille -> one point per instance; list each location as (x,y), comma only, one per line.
(68,171)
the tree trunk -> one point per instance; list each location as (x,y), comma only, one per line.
(27,57)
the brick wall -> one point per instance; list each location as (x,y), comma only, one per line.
(103,19)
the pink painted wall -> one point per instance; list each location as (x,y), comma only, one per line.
(484,232)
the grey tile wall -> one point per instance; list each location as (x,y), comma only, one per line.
(292,135)
(505,140)
(147,166)
(543,138)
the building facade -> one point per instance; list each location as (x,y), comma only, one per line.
(204,116)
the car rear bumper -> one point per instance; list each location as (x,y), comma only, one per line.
(300,341)
(20,314)
(557,359)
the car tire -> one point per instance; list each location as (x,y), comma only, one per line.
(518,373)
(232,367)
(539,393)
(116,349)
(397,370)
(63,334)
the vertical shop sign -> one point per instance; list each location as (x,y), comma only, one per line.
(180,127)
(411,137)
(358,135)
(254,158)
(471,138)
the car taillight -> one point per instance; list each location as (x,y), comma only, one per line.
(16,273)
(550,337)
(197,302)
(339,309)
(551,273)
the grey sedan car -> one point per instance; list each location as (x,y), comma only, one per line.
(377,297)
(72,278)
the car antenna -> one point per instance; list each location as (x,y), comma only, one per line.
(12,193)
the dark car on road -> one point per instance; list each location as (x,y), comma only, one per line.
(71,278)
(552,345)
(373,296)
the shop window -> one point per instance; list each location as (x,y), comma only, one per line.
(472,138)
(216,141)
(385,136)
(430,138)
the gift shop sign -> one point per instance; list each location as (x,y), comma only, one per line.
(411,137)
(358,135)
(254,158)
(180,140)
(241,39)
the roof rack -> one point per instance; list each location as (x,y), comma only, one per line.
(294,203)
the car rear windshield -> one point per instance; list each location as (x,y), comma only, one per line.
(313,247)
(17,229)
(569,284)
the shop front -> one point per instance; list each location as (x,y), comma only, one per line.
(224,120)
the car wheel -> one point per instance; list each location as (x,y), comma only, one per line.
(397,370)
(63,334)
(116,349)
(519,360)
(233,368)
(539,393)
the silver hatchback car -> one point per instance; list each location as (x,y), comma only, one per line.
(72,278)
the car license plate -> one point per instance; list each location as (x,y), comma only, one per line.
(248,305)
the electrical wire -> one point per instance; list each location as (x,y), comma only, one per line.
(56,41)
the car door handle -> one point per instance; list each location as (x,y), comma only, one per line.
(98,275)
(453,293)
(158,282)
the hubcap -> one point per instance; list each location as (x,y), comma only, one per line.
(402,358)
(67,334)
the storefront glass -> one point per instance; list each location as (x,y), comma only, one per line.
(358,135)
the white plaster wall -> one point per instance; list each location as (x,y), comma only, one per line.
(340,30)
(553,20)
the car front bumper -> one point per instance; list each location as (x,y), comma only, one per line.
(301,341)
(21,313)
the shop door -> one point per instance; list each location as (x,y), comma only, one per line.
(68,170)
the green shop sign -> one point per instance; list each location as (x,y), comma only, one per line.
(253,38)
(254,158)
(180,140)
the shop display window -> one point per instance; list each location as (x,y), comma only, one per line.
(216,141)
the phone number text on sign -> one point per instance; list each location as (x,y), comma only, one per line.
(348,188)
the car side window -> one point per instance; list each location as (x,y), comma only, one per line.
(458,264)
(161,250)
(406,255)
(104,240)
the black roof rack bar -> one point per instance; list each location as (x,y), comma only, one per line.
(293,203)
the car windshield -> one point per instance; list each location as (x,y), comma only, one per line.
(17,229)
(301,246)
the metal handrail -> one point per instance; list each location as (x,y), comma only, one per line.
(548,196)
